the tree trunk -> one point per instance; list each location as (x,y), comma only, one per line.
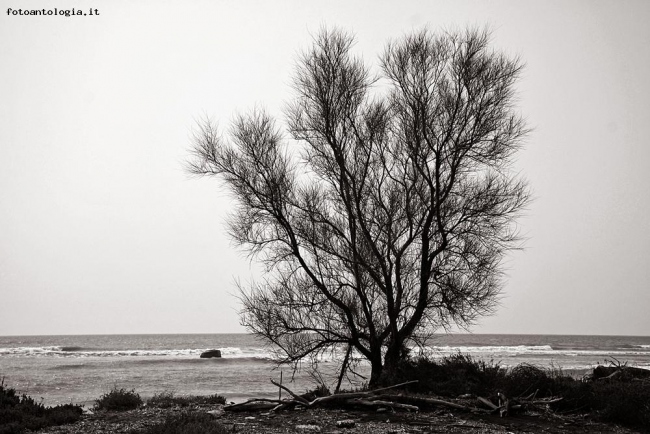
(376,367)
(394,354)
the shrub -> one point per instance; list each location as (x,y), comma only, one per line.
(185,423)
(622,399)
(118,400)
(19,414)
(167,400)
(451,376)
(623,402)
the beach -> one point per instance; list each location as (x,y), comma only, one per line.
(325,421)
(78,369)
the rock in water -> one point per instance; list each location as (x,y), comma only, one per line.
(210,353)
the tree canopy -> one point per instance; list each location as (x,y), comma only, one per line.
(383,207)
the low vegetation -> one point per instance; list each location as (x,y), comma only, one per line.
(169,400)
(118,400)
(185,423)
(616,394)
(621,399)
(19,414)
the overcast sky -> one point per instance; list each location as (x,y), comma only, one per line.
(103,231)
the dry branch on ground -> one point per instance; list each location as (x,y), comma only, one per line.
(377,399)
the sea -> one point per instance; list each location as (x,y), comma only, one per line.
(80,369)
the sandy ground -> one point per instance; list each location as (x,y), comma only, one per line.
(342,422)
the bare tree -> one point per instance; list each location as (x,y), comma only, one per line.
(388,214)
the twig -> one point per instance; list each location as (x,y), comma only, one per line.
(297,397)
(394,386)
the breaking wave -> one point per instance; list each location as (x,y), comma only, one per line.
(266,354)
(79,352)
(541,350)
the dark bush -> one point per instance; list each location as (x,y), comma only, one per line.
(118,400)
(19,414)
(527,379)
(623,402)
(185,423)
(620,399)
(450,376)
(167,400)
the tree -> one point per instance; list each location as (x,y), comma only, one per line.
(387,214)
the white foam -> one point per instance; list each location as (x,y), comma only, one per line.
(516,349)
(330,355)
(34,351)
(541,350)
(55,351)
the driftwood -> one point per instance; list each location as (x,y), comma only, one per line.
(377,403)
(610,372)
(617,370)
(506,405)
(377,399)
(254,404)
(487,403)
(296,397)
(424,402)
(346,399)
(352,395)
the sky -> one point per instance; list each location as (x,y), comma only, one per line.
(103,231)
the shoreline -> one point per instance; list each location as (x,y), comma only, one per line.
(124,411)
(328,421)
(76,368)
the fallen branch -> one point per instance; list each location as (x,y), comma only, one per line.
(254,404)
(352,395)
(619,370)
(531,396)
(376,399)
(487,403)
(544,401)
(393,387)
(297,397)
(504,404)
(423,402)
(380,403)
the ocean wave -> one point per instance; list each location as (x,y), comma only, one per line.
(79,352)
(517,349)
(528,350)
(328,356)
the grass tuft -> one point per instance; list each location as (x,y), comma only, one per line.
(118,400)
(168,400)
